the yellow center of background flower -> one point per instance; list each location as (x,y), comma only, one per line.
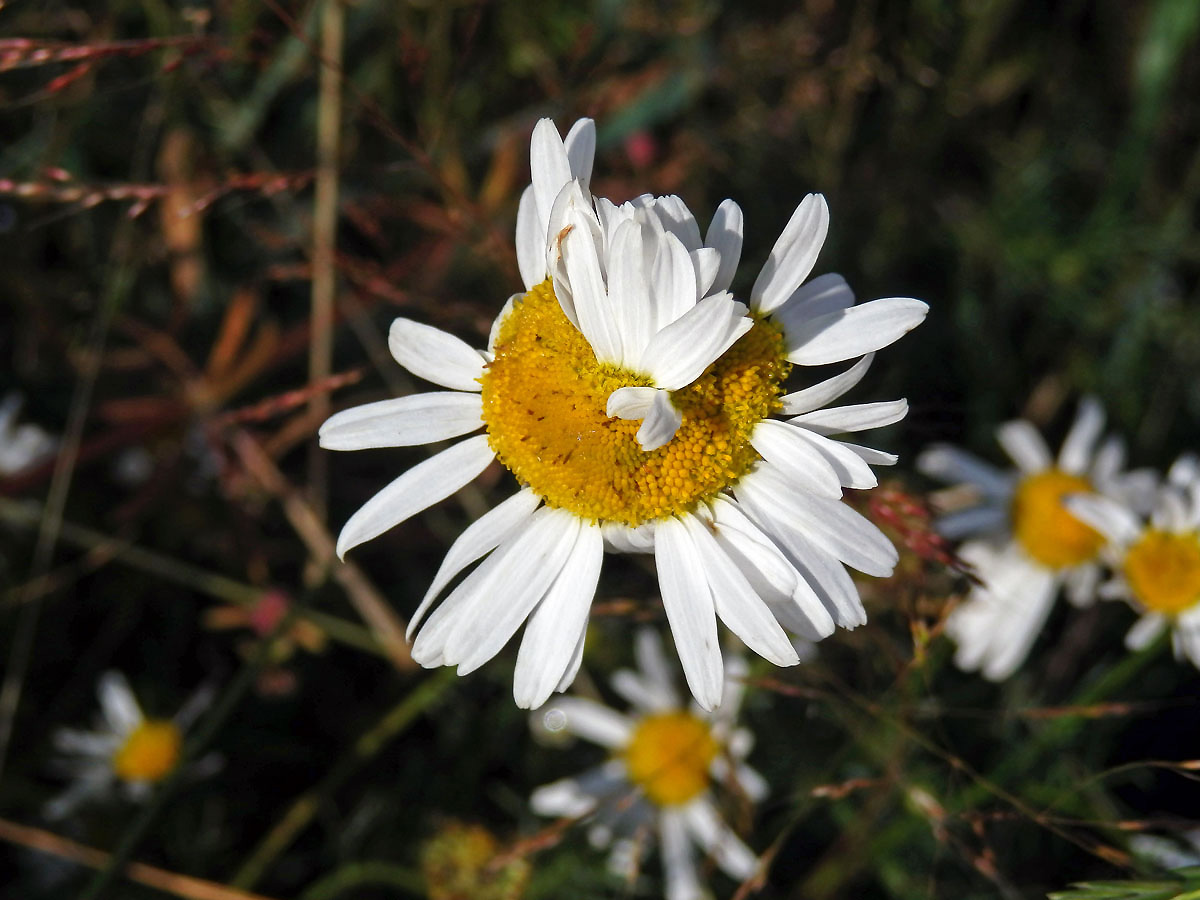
(1163,571)
(150,752)
(669,755)
(544,398)
(1047,531)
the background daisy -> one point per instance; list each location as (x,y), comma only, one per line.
(1025,544)
(1155,560)
(127,752)
(666,760)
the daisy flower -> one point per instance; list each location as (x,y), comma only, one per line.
(1029,544)
(127,750)
(634,399)
(665,760)
(20,445)
(1155,560)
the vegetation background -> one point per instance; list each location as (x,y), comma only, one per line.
(180,196)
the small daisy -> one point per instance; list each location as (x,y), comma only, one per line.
(20,445)
(1155,562)
(127,750)
(665,761)
(633,398)
(1029,546)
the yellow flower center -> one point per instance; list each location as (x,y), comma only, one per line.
(1047,531)
(669,755)
(1163,571)
(544,398)
(150,752)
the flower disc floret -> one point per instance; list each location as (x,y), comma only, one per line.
(1163,571)
(150,751)
(1045,528)
(544,402)
(668,757)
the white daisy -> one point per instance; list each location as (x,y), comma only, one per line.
(20,445)
(127,750)
(633,397)
(665,760)
(1029,544)
(1155,561)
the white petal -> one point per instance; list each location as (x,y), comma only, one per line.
(118,704)
(623,539)
(629,285)
(568,677)
(419,488)
(580,145)
(793,256)
(826,391)
(688,602)
(707,262)
(796,606)
(830,524)
(1081,584)
(870,456)
(850,467)
(1112,519)
(548,166)
(954,466)
(660,424)
(599,319)
(680,352)
(631,402)
(531,241)
(554,628)
(725,235)
(858,417)
(737,605)
(653,665)
(403,421)
(718,840)
(678,220)
(978,520)
(562,798)
(1076,451)
(672,281)
(1021,441)
(537,558)
(436,356)
(852,332)
(682,880)
(494,333)
(638,694)
(796,459)
(592,721)
(824,294)
(479,538)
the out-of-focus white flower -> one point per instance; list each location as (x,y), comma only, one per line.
(1026,544)
(1155,560)
(666,761)
(634,399)
(127,751)
(20,445)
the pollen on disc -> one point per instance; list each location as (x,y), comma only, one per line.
(544,399)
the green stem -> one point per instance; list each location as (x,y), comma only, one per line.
(306,806)
(356,875)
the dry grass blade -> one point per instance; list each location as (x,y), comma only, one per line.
(151,876)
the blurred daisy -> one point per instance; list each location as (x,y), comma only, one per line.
(1155,562)
(20,445)
(1029,544)
(666,759)
(633,398)
(127,751)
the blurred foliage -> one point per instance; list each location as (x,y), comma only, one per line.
(1031,170)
